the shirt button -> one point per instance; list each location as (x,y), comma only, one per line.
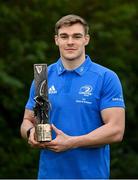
(60,69)
(81,69)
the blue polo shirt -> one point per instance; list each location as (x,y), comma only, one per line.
(77,98)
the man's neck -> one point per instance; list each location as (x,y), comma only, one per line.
(72,64)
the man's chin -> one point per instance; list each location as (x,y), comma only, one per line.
(70,58)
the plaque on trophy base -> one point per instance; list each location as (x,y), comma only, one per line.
(43,132)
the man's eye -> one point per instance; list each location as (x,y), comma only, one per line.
(64,37)
(77,37)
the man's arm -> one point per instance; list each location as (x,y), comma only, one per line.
(112,131)
(29,123)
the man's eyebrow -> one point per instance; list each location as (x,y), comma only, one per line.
(61,34)
(75,34)
(78,34)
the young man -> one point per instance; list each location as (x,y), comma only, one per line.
(87,109)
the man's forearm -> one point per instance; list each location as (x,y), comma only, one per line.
(25,126)
(112,130)
(105,134)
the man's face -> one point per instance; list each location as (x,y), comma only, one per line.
(71,41)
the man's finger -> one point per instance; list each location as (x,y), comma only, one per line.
(57,131)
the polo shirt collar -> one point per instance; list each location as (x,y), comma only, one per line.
(80,70)
(60,67)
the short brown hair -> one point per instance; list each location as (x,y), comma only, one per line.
(69,20)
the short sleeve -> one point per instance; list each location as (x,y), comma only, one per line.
(31,103)
(111,93)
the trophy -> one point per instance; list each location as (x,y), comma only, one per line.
(42,106)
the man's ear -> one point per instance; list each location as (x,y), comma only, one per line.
(56,40)
(87,39)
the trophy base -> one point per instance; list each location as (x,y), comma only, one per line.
(43,132)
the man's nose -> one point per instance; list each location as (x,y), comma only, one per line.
(70,40)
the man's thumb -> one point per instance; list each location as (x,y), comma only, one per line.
(57,131)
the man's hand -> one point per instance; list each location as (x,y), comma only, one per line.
(62,142)
(32,140)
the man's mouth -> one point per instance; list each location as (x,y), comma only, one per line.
(70,49)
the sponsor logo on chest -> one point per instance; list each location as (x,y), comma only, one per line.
(52,90)
(85,92)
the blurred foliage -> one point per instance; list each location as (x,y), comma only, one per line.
(27,37)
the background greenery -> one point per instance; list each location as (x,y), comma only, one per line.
(26,37)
